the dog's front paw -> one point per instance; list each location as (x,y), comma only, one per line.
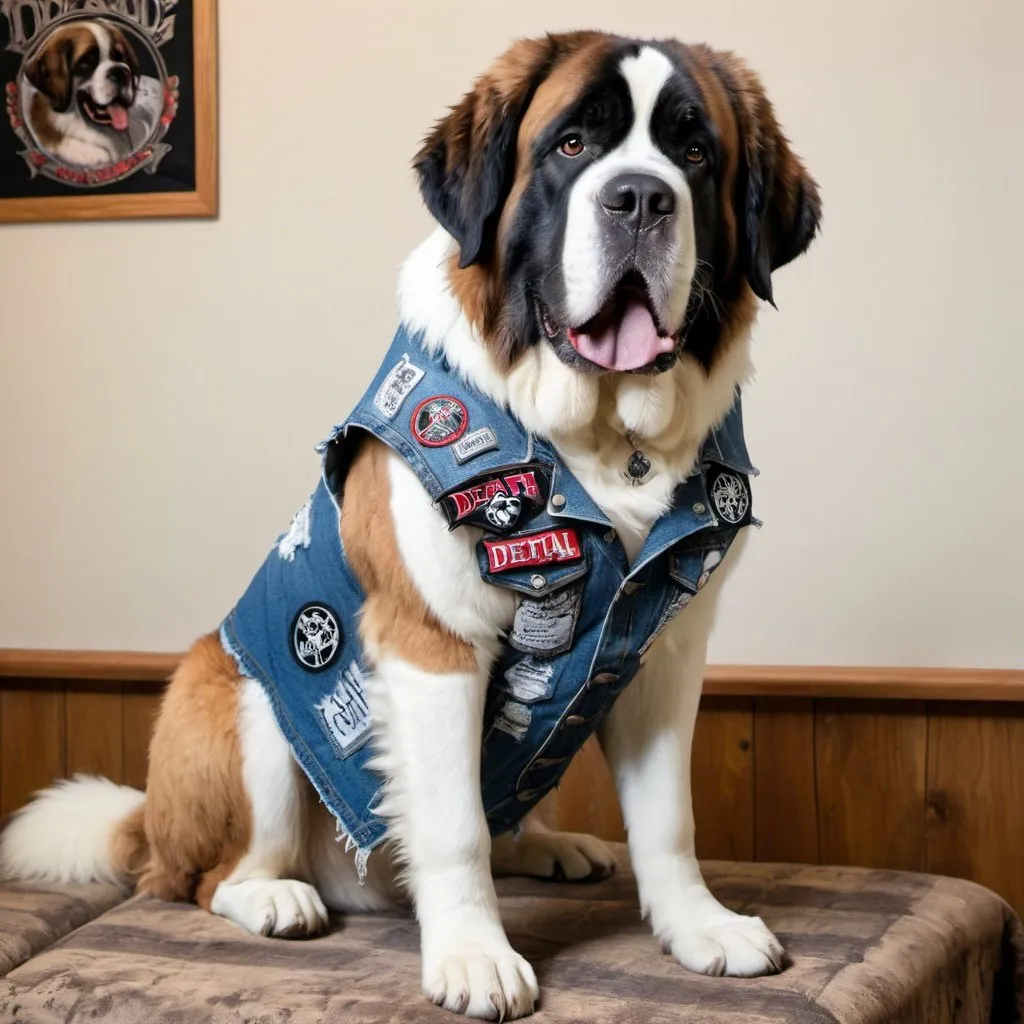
(480,976)
(722,942)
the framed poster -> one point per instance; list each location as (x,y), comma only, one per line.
(110,109)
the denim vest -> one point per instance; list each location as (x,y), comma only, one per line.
(585,619)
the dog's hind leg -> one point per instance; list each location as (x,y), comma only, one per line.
(539,852)
(264,890)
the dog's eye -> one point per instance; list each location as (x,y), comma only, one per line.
(571,145)
(695,153)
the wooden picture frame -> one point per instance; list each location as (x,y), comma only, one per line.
(151,180)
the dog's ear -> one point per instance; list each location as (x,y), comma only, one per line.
(778,205)
(467,163)
(128,53)
(50,72)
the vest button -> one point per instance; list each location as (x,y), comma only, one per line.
(699,507)
(558,500)
(538,582)
(631,588)
(609,536)
(526,794)
(574,720)
(604,678)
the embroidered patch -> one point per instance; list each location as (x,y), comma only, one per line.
(344,712)
(316,637)
(545,626)
(514,718)
(533,549)
(438,421)
(730,497)
(496,502)
(298,535)
(528,680)
(396,387)
(675,605)
(475,443)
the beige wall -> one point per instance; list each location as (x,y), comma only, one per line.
(162,384)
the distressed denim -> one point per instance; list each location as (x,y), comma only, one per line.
(586,616)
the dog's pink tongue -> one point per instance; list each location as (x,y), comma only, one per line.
(629,344)
(118,116)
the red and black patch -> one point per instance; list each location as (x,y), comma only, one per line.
(496,502)
(544,548)
(438,421)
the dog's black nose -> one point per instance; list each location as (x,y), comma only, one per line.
(119,75)
(638,200)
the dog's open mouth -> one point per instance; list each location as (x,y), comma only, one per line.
(625,333)
(115,115)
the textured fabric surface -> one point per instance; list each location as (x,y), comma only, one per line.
(863,946)
(33,916)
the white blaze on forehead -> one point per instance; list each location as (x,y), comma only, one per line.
(102,37)
(585,269)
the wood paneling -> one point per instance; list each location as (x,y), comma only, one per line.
(138,717)
(95,734)
(723,779)
(785,783)
(32,743)
(933,786)
(870,769)
(976,796)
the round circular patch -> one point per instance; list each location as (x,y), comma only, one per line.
(439,421)
(316,637)
(730,497)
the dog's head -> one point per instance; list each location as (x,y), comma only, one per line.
(614,200)
(89,65)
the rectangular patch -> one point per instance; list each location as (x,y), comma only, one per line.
(514,718)
(528,682)
(544,548)
(344,712)
(545,625)
(396,387)
(475,443)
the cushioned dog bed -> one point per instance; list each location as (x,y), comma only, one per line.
(863,946)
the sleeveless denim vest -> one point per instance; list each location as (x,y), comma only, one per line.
(585,618)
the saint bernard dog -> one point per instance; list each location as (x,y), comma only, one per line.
(85,101)
(610,213)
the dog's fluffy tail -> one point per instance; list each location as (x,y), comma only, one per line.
(85,829)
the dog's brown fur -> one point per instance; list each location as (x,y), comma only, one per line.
(395,618)
(196,823)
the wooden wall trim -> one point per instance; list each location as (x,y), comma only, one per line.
(106,666)
(821,681)
(876,683)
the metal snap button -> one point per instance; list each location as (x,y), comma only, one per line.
(609,536)
(574,720)
(699,507)
(538,582)
(631,588)
(604,678)
(558,500)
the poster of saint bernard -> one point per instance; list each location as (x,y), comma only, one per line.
(109,109)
